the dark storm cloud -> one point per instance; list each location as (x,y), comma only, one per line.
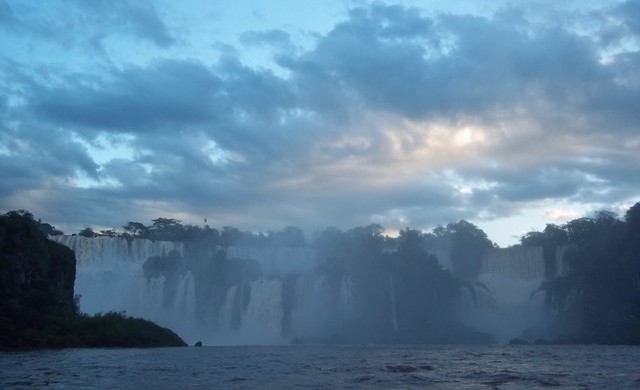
(478,68)
(241,107)
(41,156)
(629,14)
(134,99)
(548,183)
(394,59)
(391,116)
(256,93)
(372,54)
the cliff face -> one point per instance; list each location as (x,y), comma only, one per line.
(37,307)
(35,274)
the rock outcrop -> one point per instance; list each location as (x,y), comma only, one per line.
(37,305)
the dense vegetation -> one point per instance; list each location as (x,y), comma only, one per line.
(597,300)
(37,305)
(403,294)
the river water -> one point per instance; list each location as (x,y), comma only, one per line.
(326,367)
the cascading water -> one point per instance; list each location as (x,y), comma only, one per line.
(96,251)
(252,315)
(346,299)
(219,301)
(273,260)
(111,277)
(392,298)
(504,304)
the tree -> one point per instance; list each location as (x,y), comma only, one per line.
(291,236)
(20,214)
(468,243)
(229,236)
(603,279)
(533,239)
(108,233)
(48,229)
(166,229)
(549,239)
(581,230)
(87,232)
(632,218)
(137,229)
(555,235)
(409,240)
(423,294)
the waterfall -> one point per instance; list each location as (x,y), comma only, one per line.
(311,293)
(520,262)
(512,274)
(346,298)
(392,296)
(104,251)
(252,315)
(277,260)
(504,304)
(185,300)
(110,277)
(250,295)
(561,267)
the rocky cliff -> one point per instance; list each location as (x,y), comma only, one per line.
(37,306)
(36,274)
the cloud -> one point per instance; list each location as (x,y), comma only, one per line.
(629,14)
(87,24)
(7,16)
(278,39)
(134,99)
(561,215)
(40,157)
(384,118)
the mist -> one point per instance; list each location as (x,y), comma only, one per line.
(450,285)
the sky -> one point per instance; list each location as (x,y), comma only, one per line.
(262,115)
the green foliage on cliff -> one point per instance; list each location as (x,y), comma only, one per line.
(598,299)
(36,275)
(37,306)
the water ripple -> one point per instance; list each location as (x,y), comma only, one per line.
(319,367)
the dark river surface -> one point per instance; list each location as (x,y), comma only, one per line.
(326,367)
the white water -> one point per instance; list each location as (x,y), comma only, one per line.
(110,278)
(103,250)
(259,323)
(505,307)
(392,297)
(277,260)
